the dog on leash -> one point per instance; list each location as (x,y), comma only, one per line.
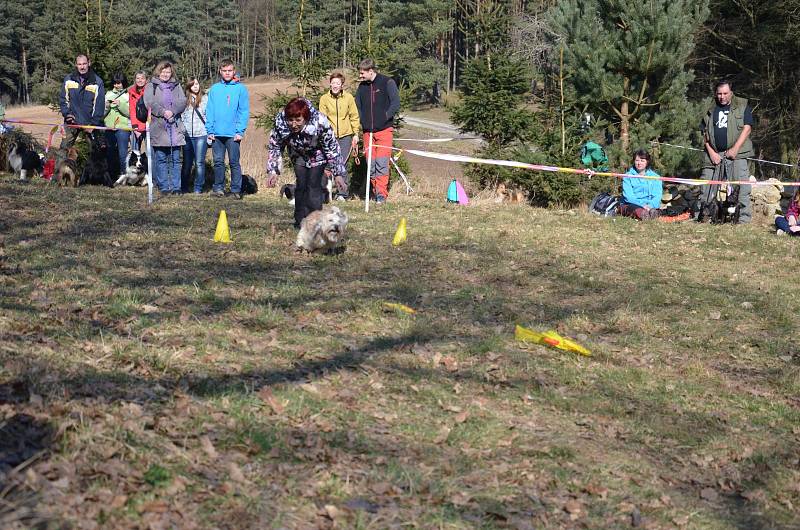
(24,161)
(136,171)
(322,230)
(67,169)
(96,169)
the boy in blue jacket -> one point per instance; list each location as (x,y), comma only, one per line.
(227,112)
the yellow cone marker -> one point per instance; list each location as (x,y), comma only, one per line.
(400,234)
(549,338)
(399,307)
(223,233)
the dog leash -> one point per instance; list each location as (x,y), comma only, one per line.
(72,126)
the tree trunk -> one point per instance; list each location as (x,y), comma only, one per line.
(561,89)
(26,94)
(624,116)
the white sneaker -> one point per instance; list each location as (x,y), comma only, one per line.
(340,198)
(780,232)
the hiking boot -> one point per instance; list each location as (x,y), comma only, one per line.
(216,193)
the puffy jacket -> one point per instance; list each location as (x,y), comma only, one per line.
(192,122)
(642,192)
(134,95)
(377,101)
(342,112)
(84,99)
(315,144)
(167,96)
(118,116)
(228,109)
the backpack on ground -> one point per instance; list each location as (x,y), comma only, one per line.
(605,205)
(249,185)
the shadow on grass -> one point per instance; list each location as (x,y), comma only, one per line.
(467,291)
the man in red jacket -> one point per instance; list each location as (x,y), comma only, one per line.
(378,100)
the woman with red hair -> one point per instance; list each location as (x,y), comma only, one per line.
(311,144)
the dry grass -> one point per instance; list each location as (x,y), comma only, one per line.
(152,378)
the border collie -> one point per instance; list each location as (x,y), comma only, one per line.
(136,171)
(23,160)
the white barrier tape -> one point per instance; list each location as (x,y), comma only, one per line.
(759,160)
(588,172)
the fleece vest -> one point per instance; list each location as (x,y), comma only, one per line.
(735,127)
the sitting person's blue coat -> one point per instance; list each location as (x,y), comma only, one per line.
(642,192)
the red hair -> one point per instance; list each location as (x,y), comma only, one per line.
(296,108)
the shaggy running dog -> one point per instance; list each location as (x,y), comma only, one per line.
(322,230)
(67,170)
(136,171)
(23,160)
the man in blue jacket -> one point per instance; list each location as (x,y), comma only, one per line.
(227,113)
(82,99)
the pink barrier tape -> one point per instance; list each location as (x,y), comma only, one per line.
(74,126)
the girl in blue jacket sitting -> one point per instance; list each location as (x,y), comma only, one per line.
(641,197)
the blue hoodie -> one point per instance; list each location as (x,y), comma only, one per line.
(642,192)
(228,109)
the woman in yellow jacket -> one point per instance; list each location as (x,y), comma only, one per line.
(340,108)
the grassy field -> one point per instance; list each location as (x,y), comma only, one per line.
(151,378)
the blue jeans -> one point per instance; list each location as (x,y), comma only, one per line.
(218,148)
(194,154)
(168,173)
(118,142)
(781,223)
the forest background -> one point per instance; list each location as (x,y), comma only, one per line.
(536,79)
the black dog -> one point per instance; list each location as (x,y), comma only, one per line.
(287,190)
(723,208)
(96,169)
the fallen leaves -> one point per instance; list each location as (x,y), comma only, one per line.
(709,494)
(269,398)
(208,447)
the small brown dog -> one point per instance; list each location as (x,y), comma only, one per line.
(67,170)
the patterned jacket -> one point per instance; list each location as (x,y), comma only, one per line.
(314,146)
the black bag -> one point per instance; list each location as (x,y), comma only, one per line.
(605,204)
(141,109)
(249,185)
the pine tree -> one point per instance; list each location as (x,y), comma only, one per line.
(627,62)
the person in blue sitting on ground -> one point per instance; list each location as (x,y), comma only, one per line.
(227,112)
(641,198)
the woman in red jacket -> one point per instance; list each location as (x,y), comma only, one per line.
(135,93)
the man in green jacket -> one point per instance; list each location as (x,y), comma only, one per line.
(726,128)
